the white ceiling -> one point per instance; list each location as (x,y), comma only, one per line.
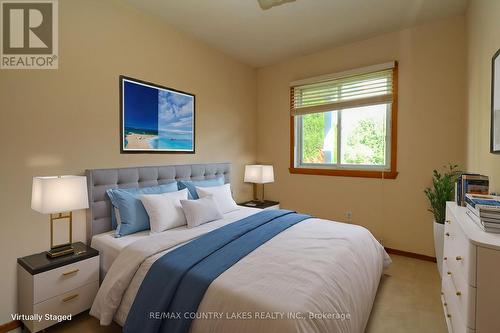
(259,37)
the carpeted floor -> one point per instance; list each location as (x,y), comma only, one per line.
(407,301)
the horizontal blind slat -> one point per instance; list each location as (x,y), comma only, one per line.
(320,101)
(345,80)
(339,95)
(343,86)
(335,90)
(355,90)
(345,104)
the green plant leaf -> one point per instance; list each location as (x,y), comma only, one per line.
(443,185)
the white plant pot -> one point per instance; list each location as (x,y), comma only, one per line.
(438,245)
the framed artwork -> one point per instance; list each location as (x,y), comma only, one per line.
(155,119)
(495,104)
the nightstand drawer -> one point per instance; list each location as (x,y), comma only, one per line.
(71,302)
(63,279)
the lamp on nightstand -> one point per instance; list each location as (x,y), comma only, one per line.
(259,174)
(59,196)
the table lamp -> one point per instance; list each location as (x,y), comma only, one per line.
(259,174)
(59,196)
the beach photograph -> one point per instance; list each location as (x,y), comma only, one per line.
(156,119)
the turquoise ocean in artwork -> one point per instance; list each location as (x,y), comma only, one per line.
(172,141)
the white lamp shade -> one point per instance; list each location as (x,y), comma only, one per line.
(259,174)
(59,194)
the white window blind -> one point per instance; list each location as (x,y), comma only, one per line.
(362,87)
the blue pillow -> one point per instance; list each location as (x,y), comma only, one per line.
(191,185)
(133,216)
(149,190)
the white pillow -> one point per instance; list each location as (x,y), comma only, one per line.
(165,210)
(222,196)
(200,211)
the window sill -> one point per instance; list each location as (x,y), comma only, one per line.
(345,173)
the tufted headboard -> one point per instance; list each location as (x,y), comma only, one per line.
(99,180)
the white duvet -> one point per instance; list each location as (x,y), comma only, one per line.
(317,276)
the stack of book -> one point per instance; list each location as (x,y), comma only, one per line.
(470,183)
(484,210)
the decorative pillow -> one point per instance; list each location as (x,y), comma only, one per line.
(115,212)
(192,184)
(165,210)
(133,216)
(222,196)
(115,217)
(200,211)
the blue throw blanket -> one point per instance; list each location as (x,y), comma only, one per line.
(176,282)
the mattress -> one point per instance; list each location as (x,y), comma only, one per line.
(110,247)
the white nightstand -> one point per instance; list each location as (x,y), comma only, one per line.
(56,286)
(262,205)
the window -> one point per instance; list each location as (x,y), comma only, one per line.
(345,124)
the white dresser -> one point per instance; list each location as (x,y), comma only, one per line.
(471,274)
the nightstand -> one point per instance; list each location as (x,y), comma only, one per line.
(261,205)
(63,286)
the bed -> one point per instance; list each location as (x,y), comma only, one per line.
(316,276)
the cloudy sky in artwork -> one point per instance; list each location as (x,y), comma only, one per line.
(175,113)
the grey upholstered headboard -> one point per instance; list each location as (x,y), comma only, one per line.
(99,180)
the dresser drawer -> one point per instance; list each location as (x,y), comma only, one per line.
(71,302)
(459,252)
(63,279)
(452,312)
(462,294)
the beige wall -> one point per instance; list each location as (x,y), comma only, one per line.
(64,121)
(431,122)
(483,38)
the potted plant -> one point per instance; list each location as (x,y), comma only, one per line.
(443,186)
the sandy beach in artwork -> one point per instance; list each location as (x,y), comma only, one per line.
(139,141)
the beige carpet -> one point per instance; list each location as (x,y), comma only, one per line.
(407,301)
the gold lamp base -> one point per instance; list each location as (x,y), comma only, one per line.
(62,249)
(255,197)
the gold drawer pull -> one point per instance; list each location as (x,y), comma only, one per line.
(447,234)
(445,304)
(442,293)
(459,293)
(449,273)
(458,258)
(71,272)
(448,315)
(69,298)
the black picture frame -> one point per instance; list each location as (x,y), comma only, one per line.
(495,101)
(123,150)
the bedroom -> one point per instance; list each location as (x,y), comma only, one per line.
(238,62)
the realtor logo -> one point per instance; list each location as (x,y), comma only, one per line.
(29,35)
